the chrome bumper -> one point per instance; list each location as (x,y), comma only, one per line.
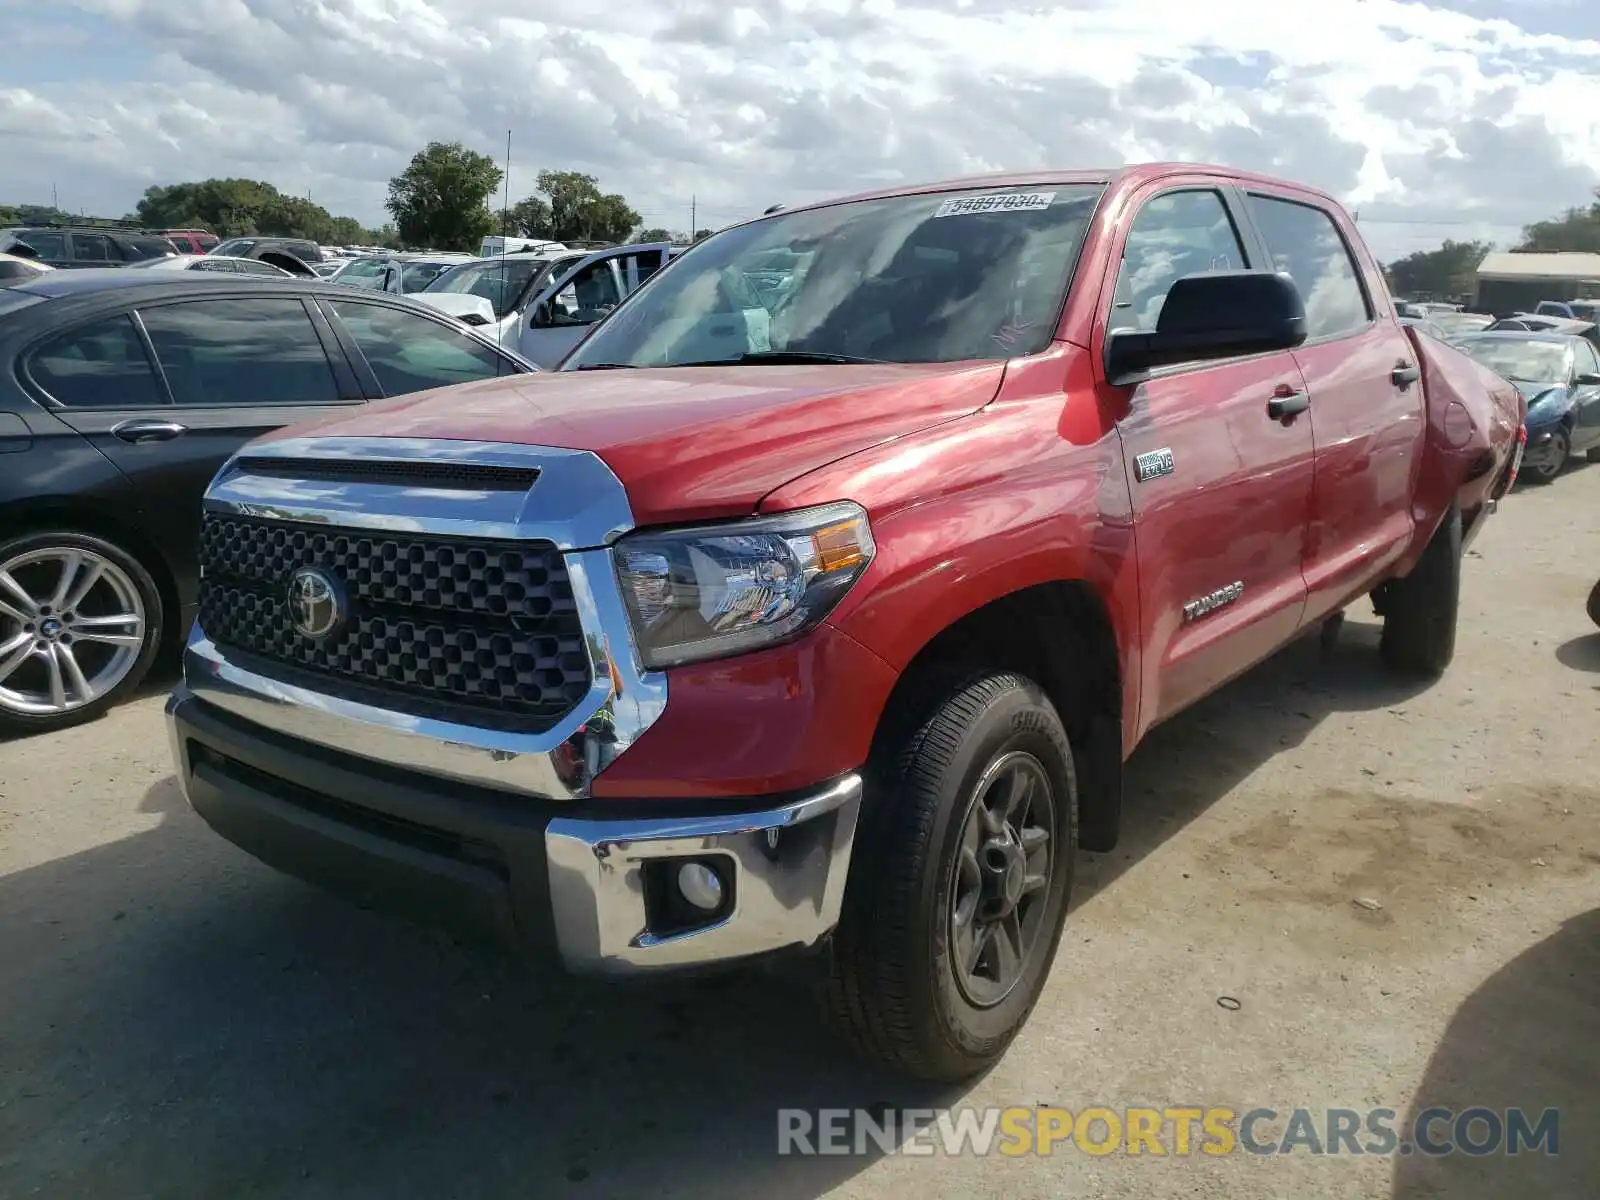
(785,867)
(501,865)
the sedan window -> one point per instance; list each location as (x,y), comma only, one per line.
(262,350)
(409,353)
(103,365)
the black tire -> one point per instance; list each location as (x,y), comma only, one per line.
(132,662)
(1592,454)
(1594,604)
(1420,611)
(1561,439)
(893,989)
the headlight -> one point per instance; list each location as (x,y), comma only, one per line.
(716,590)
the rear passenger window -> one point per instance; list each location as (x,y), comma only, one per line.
(236,352)
(103,365)
(409,353)
(1178,234)
(1306,244)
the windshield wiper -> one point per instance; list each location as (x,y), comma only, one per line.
(780,358)
(605,367)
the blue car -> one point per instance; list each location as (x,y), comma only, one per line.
(1559,376)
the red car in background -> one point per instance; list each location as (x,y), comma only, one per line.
(190,241)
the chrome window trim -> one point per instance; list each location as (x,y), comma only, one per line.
(577,503)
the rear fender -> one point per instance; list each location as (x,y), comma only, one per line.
(1473,417)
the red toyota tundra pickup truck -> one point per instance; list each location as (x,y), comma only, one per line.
(816,601)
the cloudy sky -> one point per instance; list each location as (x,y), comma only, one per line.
(1434,118)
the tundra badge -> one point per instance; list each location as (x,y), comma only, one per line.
(1212,601)
(1152,464)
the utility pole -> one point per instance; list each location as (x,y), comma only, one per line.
(55,198)
(693,228)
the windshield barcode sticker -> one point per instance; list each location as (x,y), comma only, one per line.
(1003,202)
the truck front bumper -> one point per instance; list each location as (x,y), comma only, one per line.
(597,884)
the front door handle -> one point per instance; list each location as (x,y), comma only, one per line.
(1404,374)
(138,432)
(1287,402)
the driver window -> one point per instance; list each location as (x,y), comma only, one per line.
(587,296)
(1176,234)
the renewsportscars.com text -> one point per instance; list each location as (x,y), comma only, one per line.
(1174,1131)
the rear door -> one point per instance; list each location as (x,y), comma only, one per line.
(1367,408)
(1221,488)
(226,369)
(581,294)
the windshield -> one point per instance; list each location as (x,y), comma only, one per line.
(418,275)
(1512,358)
(499,281)
(361,272)
(235,246)
(944,277)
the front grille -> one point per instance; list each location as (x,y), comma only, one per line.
(448,627)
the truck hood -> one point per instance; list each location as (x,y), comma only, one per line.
(689,443)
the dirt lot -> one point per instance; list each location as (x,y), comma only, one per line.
(178,1021)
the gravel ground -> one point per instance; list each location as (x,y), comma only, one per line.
(179,1021)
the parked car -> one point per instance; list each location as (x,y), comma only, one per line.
(1455,324)
(831,628)
(190,241)
(121,393)
(399,273)
(64,246)
(544,303)
(297,256)
(14,267)
(1559,376)
(216,263)
(1572,310)
(1427,326)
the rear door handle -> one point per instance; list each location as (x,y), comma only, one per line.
(1404,374)
(1287,402)
(138,432)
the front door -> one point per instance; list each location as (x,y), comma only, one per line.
(581,295)
(1221,486)
(1585,397)
(1367,409)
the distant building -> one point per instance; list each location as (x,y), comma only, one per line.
(1511,282)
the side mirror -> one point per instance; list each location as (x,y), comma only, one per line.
(1216,314)
(1587,379)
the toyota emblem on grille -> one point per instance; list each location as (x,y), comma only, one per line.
(316,603)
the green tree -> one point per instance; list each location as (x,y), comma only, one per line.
(652,235)
(438,201)
(530,218)
(1575,229)
(240,208)
(702,234)
(1448,271)
(579,210)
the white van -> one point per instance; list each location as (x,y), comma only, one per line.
(496,245)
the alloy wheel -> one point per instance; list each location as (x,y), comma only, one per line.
(72,627)
(1001,878)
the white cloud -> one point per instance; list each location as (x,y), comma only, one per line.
(1434,120)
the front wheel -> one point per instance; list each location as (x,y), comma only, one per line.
(80,624)
(959,881)
(1594,604)
(1548,466)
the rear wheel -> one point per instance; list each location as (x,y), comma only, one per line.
(959,881)
(1594,604)
(1420,611)
(80,624)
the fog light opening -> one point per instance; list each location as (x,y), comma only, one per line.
(701,886)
